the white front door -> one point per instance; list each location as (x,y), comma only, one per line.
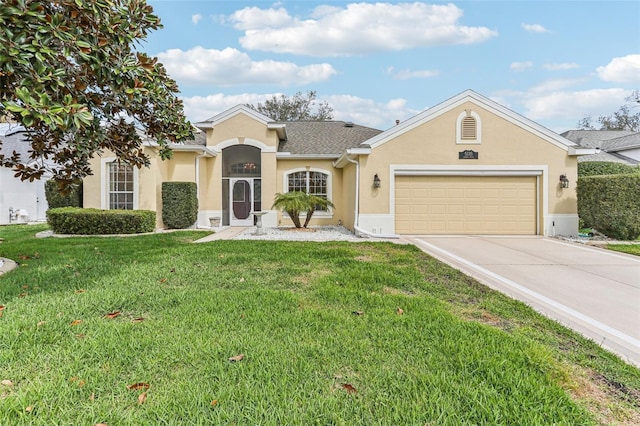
(240,201)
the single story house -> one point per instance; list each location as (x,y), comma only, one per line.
(465,166)
(20,201)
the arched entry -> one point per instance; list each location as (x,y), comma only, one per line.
(241,184)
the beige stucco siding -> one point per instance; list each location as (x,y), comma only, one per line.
(241,127)
(334,187)
(503,144)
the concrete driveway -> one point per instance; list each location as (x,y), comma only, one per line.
(591,290)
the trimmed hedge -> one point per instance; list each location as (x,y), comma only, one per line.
(600,168)
(179,204)
(611,204)
(56,198)
(77,221)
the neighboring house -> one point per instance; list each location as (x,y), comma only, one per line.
(465,166)
(617,146)
(20,201)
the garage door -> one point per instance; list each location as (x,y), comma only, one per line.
(465,205)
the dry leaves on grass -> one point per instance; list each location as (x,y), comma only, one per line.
(2,308)
(400,311)
(76,322)
(358,313)
(142,398)
(139,385)
(139,319)
(112,315)
(237,358)
(349,388)
(7,383)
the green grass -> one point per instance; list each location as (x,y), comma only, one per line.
(625,248)
(318,324)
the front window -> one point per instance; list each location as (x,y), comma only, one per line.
(314,183)
(121,186)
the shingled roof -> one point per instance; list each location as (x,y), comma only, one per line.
(326,138)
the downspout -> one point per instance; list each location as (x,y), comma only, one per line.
(198,157)
(356,210)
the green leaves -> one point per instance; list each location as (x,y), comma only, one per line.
(70,72)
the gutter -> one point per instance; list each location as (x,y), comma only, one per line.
(583,151)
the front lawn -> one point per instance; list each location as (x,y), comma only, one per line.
(153,330)
(626,248)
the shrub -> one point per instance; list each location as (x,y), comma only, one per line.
(599,168)
(77,221)
(179,204)
(57,198)
(611,204)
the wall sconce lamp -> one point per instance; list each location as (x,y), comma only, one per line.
(564,182)
(376,181)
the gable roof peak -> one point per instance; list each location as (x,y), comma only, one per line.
(481,101)
(232,112)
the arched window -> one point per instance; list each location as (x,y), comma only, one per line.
(468,128)
(314,182)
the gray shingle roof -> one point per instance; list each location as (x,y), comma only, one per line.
(608,157)
(622,143)
(324,137)
(15,142)
(594,138)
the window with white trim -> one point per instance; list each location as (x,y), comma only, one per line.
(311,182)
(468,128)
(121,186)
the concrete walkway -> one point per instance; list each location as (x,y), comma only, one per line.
(228,233)
(591,290)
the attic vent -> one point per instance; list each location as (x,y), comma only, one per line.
(469,128)
(348,124)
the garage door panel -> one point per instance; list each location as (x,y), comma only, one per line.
(466,205)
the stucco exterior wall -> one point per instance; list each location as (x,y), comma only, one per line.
(334,188)
(504,144)
(241,127)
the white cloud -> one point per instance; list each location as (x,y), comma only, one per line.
(254,18)
(230,67)
(196,18)
(520,66)
(408,74)
(534,28)
(554,85)
(573,105)
(365,112)
(561,67)
(358,28)
(624,69)
(200,108)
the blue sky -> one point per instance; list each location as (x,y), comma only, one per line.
(375,62)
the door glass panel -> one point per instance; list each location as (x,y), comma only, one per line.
(257,195)
(238,191)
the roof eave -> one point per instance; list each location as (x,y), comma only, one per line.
(290,156)
(347,156)
(574,151)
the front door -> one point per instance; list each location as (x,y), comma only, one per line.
(241,200)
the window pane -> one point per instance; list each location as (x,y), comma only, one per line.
(120,186)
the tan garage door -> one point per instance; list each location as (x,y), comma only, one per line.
(465,205)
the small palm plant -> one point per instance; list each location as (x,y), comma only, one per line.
(295,202)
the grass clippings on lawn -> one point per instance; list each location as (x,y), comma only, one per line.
(155,330)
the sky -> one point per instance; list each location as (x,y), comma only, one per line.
(377,62)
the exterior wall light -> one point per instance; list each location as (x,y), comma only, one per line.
(564,182)
(376,181)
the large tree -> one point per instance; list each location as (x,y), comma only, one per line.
(298,107)
(71,74)
(623,119)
